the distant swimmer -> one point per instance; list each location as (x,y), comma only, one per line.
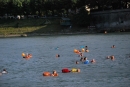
(86,61)
(112,57)
(108,57)
(77,62)
(93,61)
(54,73)
(80,54)
(57,55)
(113,46)
(81,59)
(4,71)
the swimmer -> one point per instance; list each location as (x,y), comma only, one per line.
(77,62)
(81,59)
(57,55)
(112,57)
(86,61)
(78,70)
(93,61)
(4,71)
(80,54)
(113,46)
(86,50)
(54,73)
(86,47)
(108,57)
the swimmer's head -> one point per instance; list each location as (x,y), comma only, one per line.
(54,71)
(78,70)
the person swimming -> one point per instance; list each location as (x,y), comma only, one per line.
(81,59)
(77,62)
(57,55)
(86,61)
(54,73)
(4,71)
(93,61)
(86,47)
(112,57)
(80,54)
(113,46)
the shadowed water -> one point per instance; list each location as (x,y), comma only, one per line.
(28,73)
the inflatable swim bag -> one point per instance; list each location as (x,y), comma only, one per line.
(65,70)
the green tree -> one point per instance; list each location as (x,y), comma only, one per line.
(82,18)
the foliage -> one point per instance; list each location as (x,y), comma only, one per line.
(82,18)
(60,6)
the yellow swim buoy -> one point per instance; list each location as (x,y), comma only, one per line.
(83,50)
(23,54)
(74,70)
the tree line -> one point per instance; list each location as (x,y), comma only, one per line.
(56,7)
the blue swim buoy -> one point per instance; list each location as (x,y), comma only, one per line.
(56,48)
(86,62)
(81,46)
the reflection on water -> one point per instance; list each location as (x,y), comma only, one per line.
(28,73)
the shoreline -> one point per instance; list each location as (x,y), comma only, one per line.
(53,34)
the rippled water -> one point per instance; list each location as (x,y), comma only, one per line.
(28,73)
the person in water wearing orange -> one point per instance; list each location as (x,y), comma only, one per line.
(54,73)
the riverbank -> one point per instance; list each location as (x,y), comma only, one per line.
(40,27)
(49,34)
(59,34)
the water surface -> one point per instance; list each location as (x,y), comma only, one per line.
(28,73)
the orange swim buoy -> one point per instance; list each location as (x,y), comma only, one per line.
(46,74)
(75,51)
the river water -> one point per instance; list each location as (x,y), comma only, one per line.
(28,73)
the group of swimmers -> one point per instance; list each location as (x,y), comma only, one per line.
(66,70)
(83,59)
